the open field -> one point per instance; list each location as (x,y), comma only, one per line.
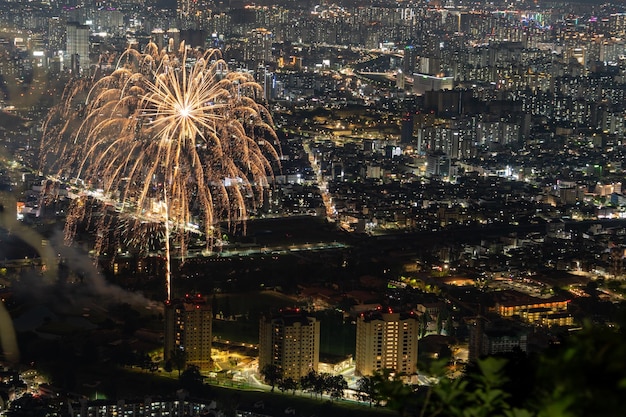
(136,383)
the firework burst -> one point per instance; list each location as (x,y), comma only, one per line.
(170,139)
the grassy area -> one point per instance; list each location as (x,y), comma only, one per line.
(254,302)
(244,331)
(276,403)
(291,230)
(133,383)
(117,382)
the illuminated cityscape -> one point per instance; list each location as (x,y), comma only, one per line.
(346,208)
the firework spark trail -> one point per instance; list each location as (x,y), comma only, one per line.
(174,131)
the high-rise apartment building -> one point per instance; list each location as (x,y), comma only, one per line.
(158,37)
(77,47)
(386,340)
(617,23)
(259,46)
(290,340)
(188,328)
(173,42)
(193,14)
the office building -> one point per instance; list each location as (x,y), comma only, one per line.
(188,329)
(552,311)
(426,82)
(438,164)
(490,337)
(290,340)
(386,340)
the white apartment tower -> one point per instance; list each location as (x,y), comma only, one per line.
(188,327)
(290,340)
(386,340)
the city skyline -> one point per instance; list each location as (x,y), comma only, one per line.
(395,203)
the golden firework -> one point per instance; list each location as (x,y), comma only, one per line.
(173,139)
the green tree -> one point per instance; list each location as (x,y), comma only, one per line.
(272,374)
(179,359)
(288,384)
(337,385)
(192,380)
(167,367)
(307,382)
(479,394)
(586,375)
(440,321)
(424,318)
(390,388)
(321,383)
(367,391)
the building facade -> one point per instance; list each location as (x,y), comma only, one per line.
(386,341)
(290,340)
(551,311)
(146,407)
(188,329)
(77,47)
(493,336)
